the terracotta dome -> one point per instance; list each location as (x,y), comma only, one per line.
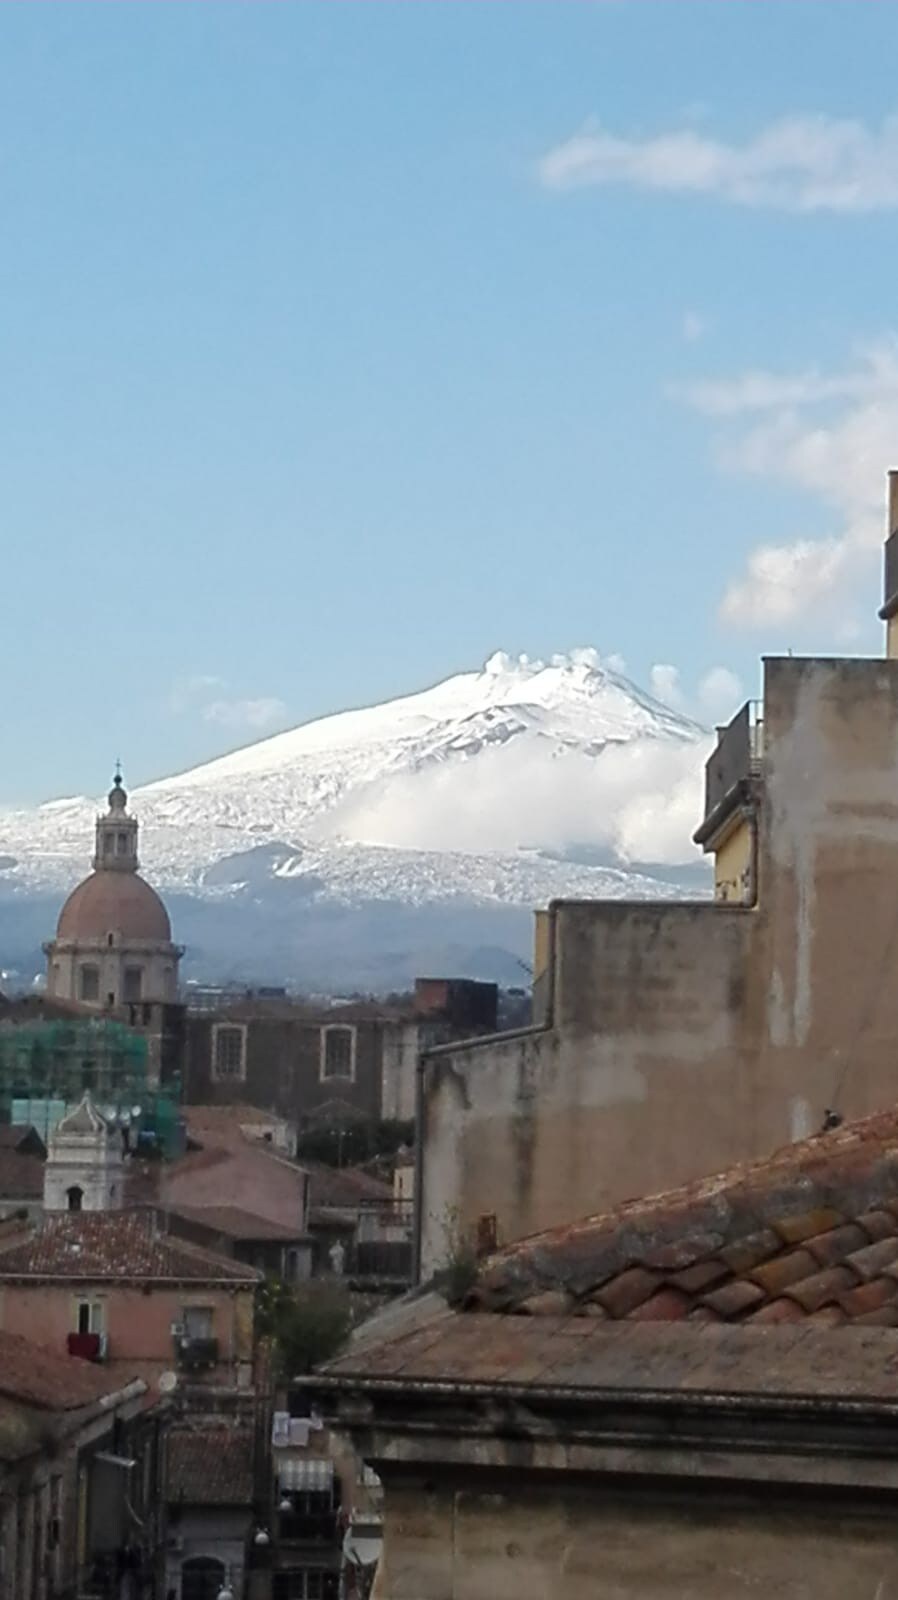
(114,902)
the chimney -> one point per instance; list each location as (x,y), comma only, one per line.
(888,611)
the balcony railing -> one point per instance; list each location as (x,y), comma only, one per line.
(196,1354)
(738,757)
(308,1527)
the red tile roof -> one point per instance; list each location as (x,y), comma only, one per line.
(211,1466)
(342,1188)
(37,1376)
(111,1245)
(811,1232)
(235,1223)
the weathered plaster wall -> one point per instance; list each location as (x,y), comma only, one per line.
(829,887)
(639,1079)
(586,1545)
(685,1037)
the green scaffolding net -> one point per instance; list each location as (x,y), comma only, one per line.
(47,1066)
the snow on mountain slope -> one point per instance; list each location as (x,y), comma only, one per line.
(508,786)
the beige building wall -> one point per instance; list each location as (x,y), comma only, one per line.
(528,1544)
(733,864)
(683,1037)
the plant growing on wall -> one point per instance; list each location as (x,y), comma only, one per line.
(459,1273)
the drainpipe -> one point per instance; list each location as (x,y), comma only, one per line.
(121,1397)
(417,1220)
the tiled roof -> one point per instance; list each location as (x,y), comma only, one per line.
(210,1466)
(429,1346)
(218,1123)
(236,1223)
(810,1233)
(343,1187)
(116,1245)
(51,1380)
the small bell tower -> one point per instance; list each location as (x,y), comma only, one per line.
(116,846)
(84,1170)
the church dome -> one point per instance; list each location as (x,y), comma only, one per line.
(114,902)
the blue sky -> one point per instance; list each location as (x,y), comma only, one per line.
(343,344)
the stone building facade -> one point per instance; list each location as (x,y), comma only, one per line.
(675,1037)
(113,943)
(691,1396)
(80,1478)
(308,1064)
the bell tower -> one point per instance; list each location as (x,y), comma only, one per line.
(116,842)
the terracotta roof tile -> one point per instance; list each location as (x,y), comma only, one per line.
(812,1232)
(868,1262)
(778,1311)
(700,1276)
(210,1465)
(821,1288)
(869,1296)
(751,1251)
(627,1291)
(118,1245)
(827,1248)
(47,1378)
(808,1224)
(879,1224)
(773,1276)
(734,1298)
(668,1305)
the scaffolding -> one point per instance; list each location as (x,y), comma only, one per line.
(47,1065)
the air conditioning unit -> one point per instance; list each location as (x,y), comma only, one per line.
(177,1330)
(176,1541)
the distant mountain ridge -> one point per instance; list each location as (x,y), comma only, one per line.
(437,819)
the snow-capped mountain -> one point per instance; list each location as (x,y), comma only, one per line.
(458,808)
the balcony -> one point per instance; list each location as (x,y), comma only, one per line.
(299,1526)
(732,771)
(87,1346)
(195,1355)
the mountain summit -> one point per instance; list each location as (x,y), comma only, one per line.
(491,792)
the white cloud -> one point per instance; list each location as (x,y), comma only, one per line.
(187,692)
(204,695)
(665,685)
(262,713)
(874,375)
(693,326)
(720,693)
(832,436)
(799,163)
(639,802)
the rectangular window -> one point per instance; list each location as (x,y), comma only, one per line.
(90,1316)
(337,1051)
(197,1322)
(133,982)
(122,844)
(228,1050)
(89,983)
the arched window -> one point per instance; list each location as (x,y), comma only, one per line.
(201,1578)
(74,1196)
